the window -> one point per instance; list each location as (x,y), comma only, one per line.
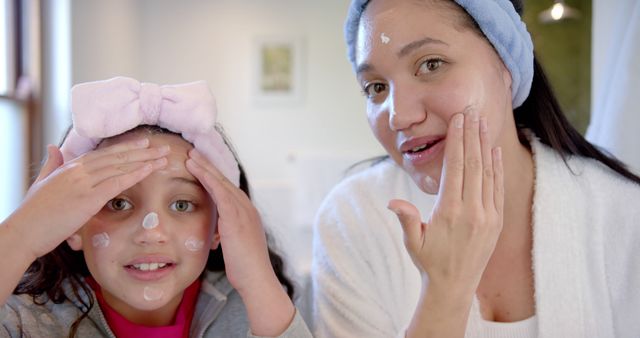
(6,40)
(13,117)
(13,155)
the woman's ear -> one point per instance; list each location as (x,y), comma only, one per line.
(75,242)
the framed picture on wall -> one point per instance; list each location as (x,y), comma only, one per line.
(278,64)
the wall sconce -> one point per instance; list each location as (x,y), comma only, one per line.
(559,11)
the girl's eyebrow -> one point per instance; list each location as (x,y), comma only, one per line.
(186,180)
(408,48)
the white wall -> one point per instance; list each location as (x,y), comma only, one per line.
(293,153)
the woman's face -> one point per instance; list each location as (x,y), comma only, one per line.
(418,66)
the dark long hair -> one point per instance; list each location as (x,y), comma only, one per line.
(46,276)
(541,113)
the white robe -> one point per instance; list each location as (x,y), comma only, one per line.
(586,253)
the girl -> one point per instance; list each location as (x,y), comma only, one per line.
(531,231)
(124,230)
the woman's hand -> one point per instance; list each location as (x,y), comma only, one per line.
(453,247)
(244,246)
(65,196)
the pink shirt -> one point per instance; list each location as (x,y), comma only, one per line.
(123,328)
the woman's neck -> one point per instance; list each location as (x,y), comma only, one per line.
(519,178)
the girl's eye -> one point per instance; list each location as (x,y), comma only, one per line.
(182,206)
(429,66)
(119,204)
(373,89)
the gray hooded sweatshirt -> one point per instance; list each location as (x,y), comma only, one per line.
(219,313)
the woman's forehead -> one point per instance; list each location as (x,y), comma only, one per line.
(391,25)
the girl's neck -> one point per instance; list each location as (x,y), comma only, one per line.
(162,316)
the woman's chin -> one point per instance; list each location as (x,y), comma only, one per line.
(428,183)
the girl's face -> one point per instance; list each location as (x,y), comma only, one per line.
(147,245)
(418,66)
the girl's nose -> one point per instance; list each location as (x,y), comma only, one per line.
(405,109)
(151,231)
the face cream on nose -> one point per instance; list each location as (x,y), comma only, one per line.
(150,221)
(151,294)
(194,244)
(100,240)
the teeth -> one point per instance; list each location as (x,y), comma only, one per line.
(420,148)
(149,266)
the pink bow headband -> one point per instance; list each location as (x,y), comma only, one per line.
(111,107)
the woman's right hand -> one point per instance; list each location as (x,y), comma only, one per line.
(453,247)
(65,196)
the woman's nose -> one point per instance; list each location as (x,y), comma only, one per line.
(405,109)
(151,231)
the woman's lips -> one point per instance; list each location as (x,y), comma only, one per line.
(430,153)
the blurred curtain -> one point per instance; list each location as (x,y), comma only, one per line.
(615,116)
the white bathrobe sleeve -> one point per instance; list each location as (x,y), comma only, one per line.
(364,282)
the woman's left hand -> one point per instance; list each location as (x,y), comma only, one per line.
(244,245)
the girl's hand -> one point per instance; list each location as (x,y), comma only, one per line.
(65,196)
(453,247)
(244,246)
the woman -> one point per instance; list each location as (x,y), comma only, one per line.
(531,231)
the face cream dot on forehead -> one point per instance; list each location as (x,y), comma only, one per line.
(100,240)
(385,39)
(150,221)
(194,244)
(151,294)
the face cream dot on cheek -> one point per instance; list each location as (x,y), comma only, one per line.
(150,221)
(100,240)
(151,294)
(194,244)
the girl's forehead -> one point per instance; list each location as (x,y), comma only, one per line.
(155,139)
(176,158)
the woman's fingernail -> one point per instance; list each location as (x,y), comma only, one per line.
(142,142)
(498,153)
(458,121)
(483,125)
(164,149)
(394,210)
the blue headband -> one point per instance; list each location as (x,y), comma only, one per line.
(499,22)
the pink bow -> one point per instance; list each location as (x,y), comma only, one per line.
(111,107)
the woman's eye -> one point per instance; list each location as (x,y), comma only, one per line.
(182,206)
(373,89)
(119,204)
(429,66)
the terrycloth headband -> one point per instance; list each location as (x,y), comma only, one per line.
(108,108)
(499,22)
